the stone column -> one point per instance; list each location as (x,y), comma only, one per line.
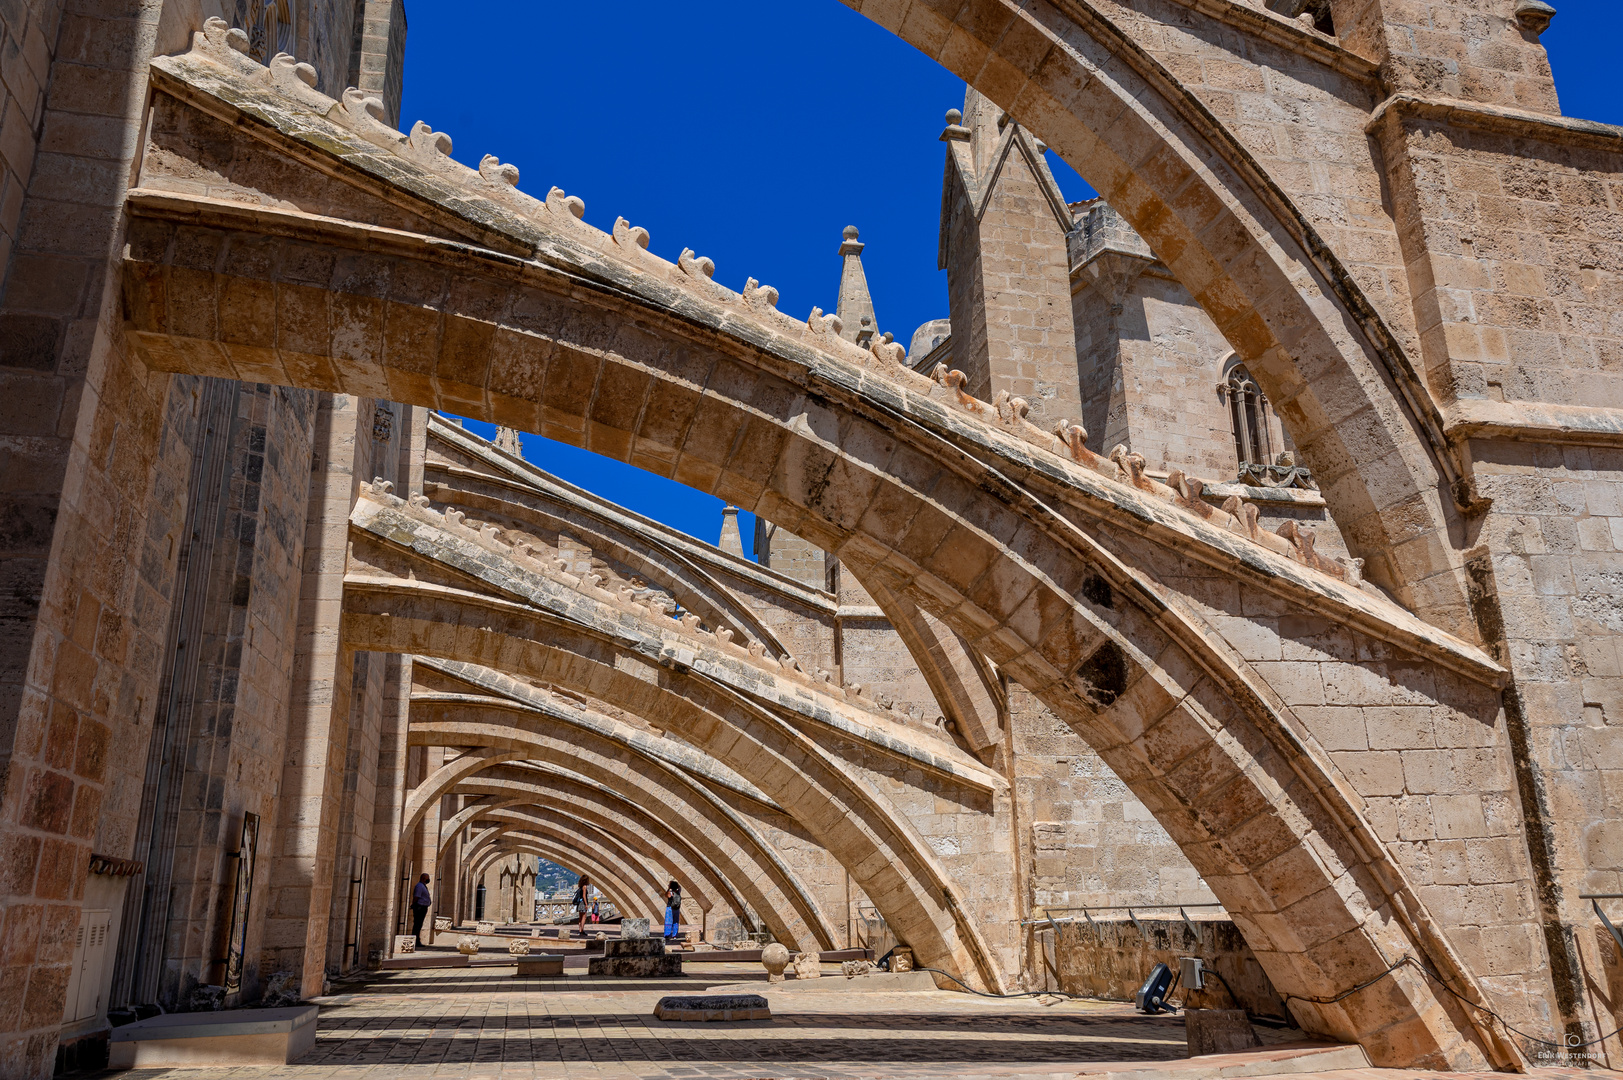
(426,855)
(296,929)
(395,756)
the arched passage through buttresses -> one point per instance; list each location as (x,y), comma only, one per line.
(528,320)
(669,866)
(640,884)
(506,732)
(635,828)
(501,841)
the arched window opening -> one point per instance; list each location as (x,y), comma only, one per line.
(1248,418)
(1261,461)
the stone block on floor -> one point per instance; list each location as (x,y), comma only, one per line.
(644,946)
(633,928)
(1218,1031)
(636,965)
(540,965)
(224,1039)
(706,1007)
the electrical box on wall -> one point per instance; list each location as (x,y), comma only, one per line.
(87,984)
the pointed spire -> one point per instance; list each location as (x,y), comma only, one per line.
(732,541)
(507,441)
(857,321)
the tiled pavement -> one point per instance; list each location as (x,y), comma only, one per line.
(467,1024)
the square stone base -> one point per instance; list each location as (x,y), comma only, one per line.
(633,967)
(540,965)
(236,1037)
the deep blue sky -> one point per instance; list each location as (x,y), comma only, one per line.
(754,132)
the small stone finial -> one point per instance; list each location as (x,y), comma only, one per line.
(774,958)
(758,294)
(572,205)
(955,117)
(627,234)
(424,137)
(1534,16)
(492,169)
(851,232)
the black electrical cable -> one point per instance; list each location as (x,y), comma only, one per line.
(1409,961)
(982,993)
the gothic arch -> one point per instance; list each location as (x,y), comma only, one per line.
(507,732)
(972,523)
(1213,701)
(503,840)
(635,824)
(1256,254)
(641,879)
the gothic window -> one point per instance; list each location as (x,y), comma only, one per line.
(269,25)
(1248,418)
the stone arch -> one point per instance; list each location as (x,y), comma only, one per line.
(972,522)
(690,584)
(675,861)
(882,852)
(499,813)
(640,878)
(1233,754)
(508,732)
(1097,91)
(608,810)
(503,840)
(954,674)
(496,842)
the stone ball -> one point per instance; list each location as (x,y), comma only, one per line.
(774,958)
(850,232)
(954,116)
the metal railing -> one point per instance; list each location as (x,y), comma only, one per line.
(1048,920)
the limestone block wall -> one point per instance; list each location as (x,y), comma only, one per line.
(830,887)
(1550,574)
(125,822)
(224,696)
(1111,957)
(1150,363)
(1452,48)
(377,51)
(1514,260)
(28,34)
(509,889)
(1003,247)
(1428,753)
(1088,840)
(783,551)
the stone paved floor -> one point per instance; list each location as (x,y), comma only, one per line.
(470,1024)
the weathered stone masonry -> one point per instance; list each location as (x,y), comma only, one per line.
(983,652)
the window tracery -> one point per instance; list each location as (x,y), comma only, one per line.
(1248,417)
(1260,461)
(269,25)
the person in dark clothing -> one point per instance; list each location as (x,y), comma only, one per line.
(673,910)
(420,900)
